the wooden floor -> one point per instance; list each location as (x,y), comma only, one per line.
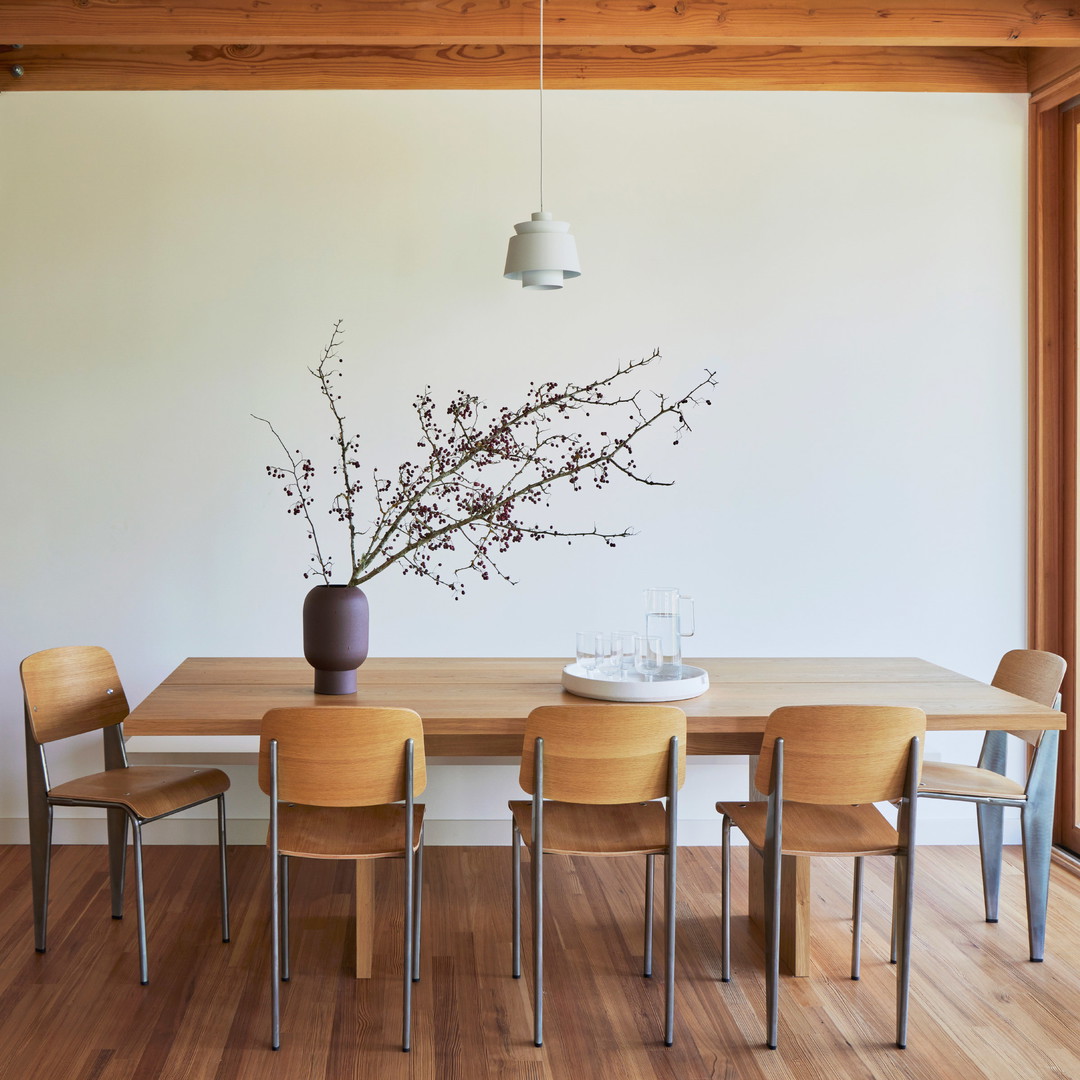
(979,1008)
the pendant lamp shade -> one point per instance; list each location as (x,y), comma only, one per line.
(542,253)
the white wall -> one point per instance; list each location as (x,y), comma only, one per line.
(852,265)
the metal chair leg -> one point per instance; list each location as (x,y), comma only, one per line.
(1036,826)
(895,913)
(140,901)
(774,860)
(40,862)
(537,854)
(407,960)
(994,756)
(283,925)
(515,856)
(275,906)
(1036,822)
(650,873)
(418,891)
(409,854)
(725,902)
(275,955)
(538,944)
(40,815)
(856,917)
(670,860)
(117,831)
(904,887)
(224,869)
(772,947)
(903,982)
(990,840)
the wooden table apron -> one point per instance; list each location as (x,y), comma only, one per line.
(477,708)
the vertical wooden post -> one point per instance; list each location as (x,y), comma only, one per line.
(1052,410)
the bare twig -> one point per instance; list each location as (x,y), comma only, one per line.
(301,471)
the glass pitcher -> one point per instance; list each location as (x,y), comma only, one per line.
(667,612)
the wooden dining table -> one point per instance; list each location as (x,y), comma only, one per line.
(476,708)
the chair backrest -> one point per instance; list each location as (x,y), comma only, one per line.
(604,754)
(1031,674)
(71,690)
(841,754)
(342,756)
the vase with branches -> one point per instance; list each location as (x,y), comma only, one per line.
(482,477)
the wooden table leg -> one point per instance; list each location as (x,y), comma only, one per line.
(794,900)
(794,909)
(365,922)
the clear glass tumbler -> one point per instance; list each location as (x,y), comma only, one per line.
(648,656)
(589,649)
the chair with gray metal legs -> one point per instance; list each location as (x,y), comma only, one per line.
(341,783)
(604,769)
(74,690)
(1036,676)
(418,886)
(822,768)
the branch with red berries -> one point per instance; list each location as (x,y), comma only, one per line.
(483,477)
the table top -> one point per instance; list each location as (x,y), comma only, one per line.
(478,707)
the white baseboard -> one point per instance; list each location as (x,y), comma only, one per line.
(438,831)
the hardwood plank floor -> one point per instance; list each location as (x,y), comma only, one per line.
(77,1012)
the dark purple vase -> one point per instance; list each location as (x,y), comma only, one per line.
(335,636)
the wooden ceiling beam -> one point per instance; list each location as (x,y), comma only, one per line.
(486,67)
(1053,73)
(968,23)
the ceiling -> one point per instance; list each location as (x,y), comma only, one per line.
(999,46)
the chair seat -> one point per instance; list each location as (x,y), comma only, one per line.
(942,777)
(818,830)
(149,791)
(591,829)
(346,832)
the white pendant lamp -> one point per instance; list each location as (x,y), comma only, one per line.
(542,253)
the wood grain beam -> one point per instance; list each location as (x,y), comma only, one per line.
(296,67)
(1053,73)
(514,22)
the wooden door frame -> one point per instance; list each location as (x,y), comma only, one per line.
(1052,410)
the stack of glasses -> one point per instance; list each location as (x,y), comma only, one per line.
(619,655)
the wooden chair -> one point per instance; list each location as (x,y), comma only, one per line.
(1036,676)
(821,768)
(70,691)
(604,768)
(336,777)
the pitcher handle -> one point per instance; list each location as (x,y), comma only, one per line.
(690,601)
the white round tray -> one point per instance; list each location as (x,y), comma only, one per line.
(695,681)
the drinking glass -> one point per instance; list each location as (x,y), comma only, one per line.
(608,660)
(623,652)
(648,657)
(590,651)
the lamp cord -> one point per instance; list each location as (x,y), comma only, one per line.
(541,106)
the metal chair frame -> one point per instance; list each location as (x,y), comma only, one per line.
(1036,826)
(40,805)
(279,903)
(670,867)
(1036,675)
(903,897)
